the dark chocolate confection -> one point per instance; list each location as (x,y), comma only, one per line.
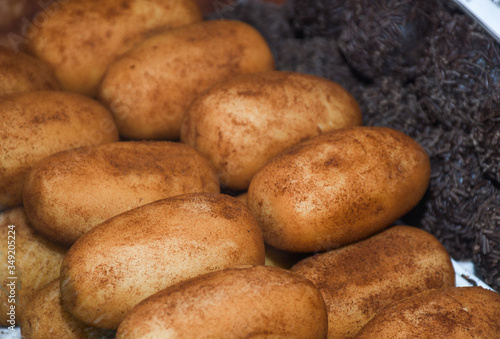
(318,18)
(453,196)
(317,55)
(385,37)
(271,20)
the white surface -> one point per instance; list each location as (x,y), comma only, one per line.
(465,277)
(485,12)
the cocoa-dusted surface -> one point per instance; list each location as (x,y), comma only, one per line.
(241,123)
(385,37)
(23,73)
(243,302)
(461,205)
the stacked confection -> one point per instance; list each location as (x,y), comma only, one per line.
(425,69)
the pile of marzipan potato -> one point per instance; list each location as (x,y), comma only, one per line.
(121,122)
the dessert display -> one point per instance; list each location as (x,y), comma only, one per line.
(272,169)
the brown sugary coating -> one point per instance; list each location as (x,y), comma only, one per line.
(282,259)
(242,197)
(23,73)
(337,188)
(241,123)
(253,302)
(37,262)
(358,280)
(80,38)
(457,312)
(70,192)
(45,318)
(35,125)
(150,88)
(140,252)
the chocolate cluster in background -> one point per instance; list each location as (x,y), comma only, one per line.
(426,69)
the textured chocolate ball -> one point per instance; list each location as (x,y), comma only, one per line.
(384,37)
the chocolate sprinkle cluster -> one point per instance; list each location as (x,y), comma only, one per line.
(385,37)
(425,69)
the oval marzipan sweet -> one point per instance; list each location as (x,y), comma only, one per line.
(68,193)
(45,318)
(338,188)
(23,73)
(150,88)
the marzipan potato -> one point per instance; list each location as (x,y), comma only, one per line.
(34,125)
(127,258)
(457,312)
(252,302)
(80,38)
(36,261)
(241,123)
(107,180)
(338,188)
(149,89)
(358,280)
